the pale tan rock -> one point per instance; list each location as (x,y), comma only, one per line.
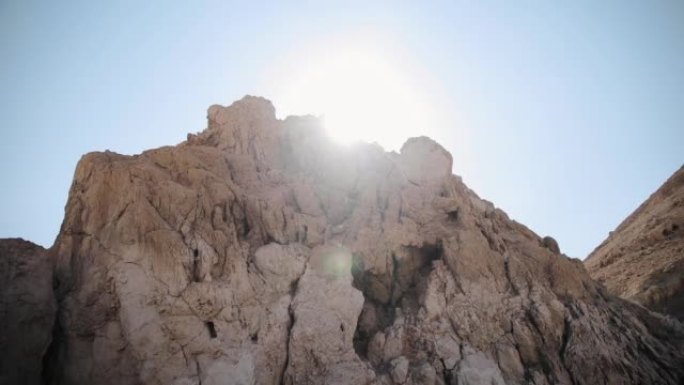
(399,371)
(643,259)
(477,369)
(425,162)
(280,265)
(324,313)
(258,251)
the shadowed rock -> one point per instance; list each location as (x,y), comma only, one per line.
(27,311)
(551,244)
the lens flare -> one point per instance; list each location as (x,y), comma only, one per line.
(363,88)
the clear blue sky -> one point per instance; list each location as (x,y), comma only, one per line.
(573,110)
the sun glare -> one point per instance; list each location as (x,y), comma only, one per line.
(361,91)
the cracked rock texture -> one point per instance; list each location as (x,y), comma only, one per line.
(260,252)
(27,311)
(643,259)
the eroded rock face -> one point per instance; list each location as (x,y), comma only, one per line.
(27,311)
(259,252)
(643,259)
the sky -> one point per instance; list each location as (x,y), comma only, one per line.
(566,115)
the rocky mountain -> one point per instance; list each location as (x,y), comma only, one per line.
(27,310)
(260,252)
(643,259)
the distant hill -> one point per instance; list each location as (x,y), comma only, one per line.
(643,259)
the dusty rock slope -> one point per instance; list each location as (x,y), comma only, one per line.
(643,259)
(259,252)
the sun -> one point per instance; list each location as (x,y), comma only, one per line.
(361,87)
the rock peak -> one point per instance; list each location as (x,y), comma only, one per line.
(258,252)
(248,106)
(250,110)
(425,160)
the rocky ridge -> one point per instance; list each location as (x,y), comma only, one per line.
(643,259)
(260,252)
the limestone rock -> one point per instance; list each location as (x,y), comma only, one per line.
(324,313)
(424,161)
(643,259)
(260,252)
(477,369)
(400,366)
(27,311)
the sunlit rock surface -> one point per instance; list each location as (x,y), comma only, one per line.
(643,259)
(260,252)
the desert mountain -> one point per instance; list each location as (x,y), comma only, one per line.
(260,252)
(643,259)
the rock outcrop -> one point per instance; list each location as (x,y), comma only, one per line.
(643,259)
(260,252)
(27,311)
